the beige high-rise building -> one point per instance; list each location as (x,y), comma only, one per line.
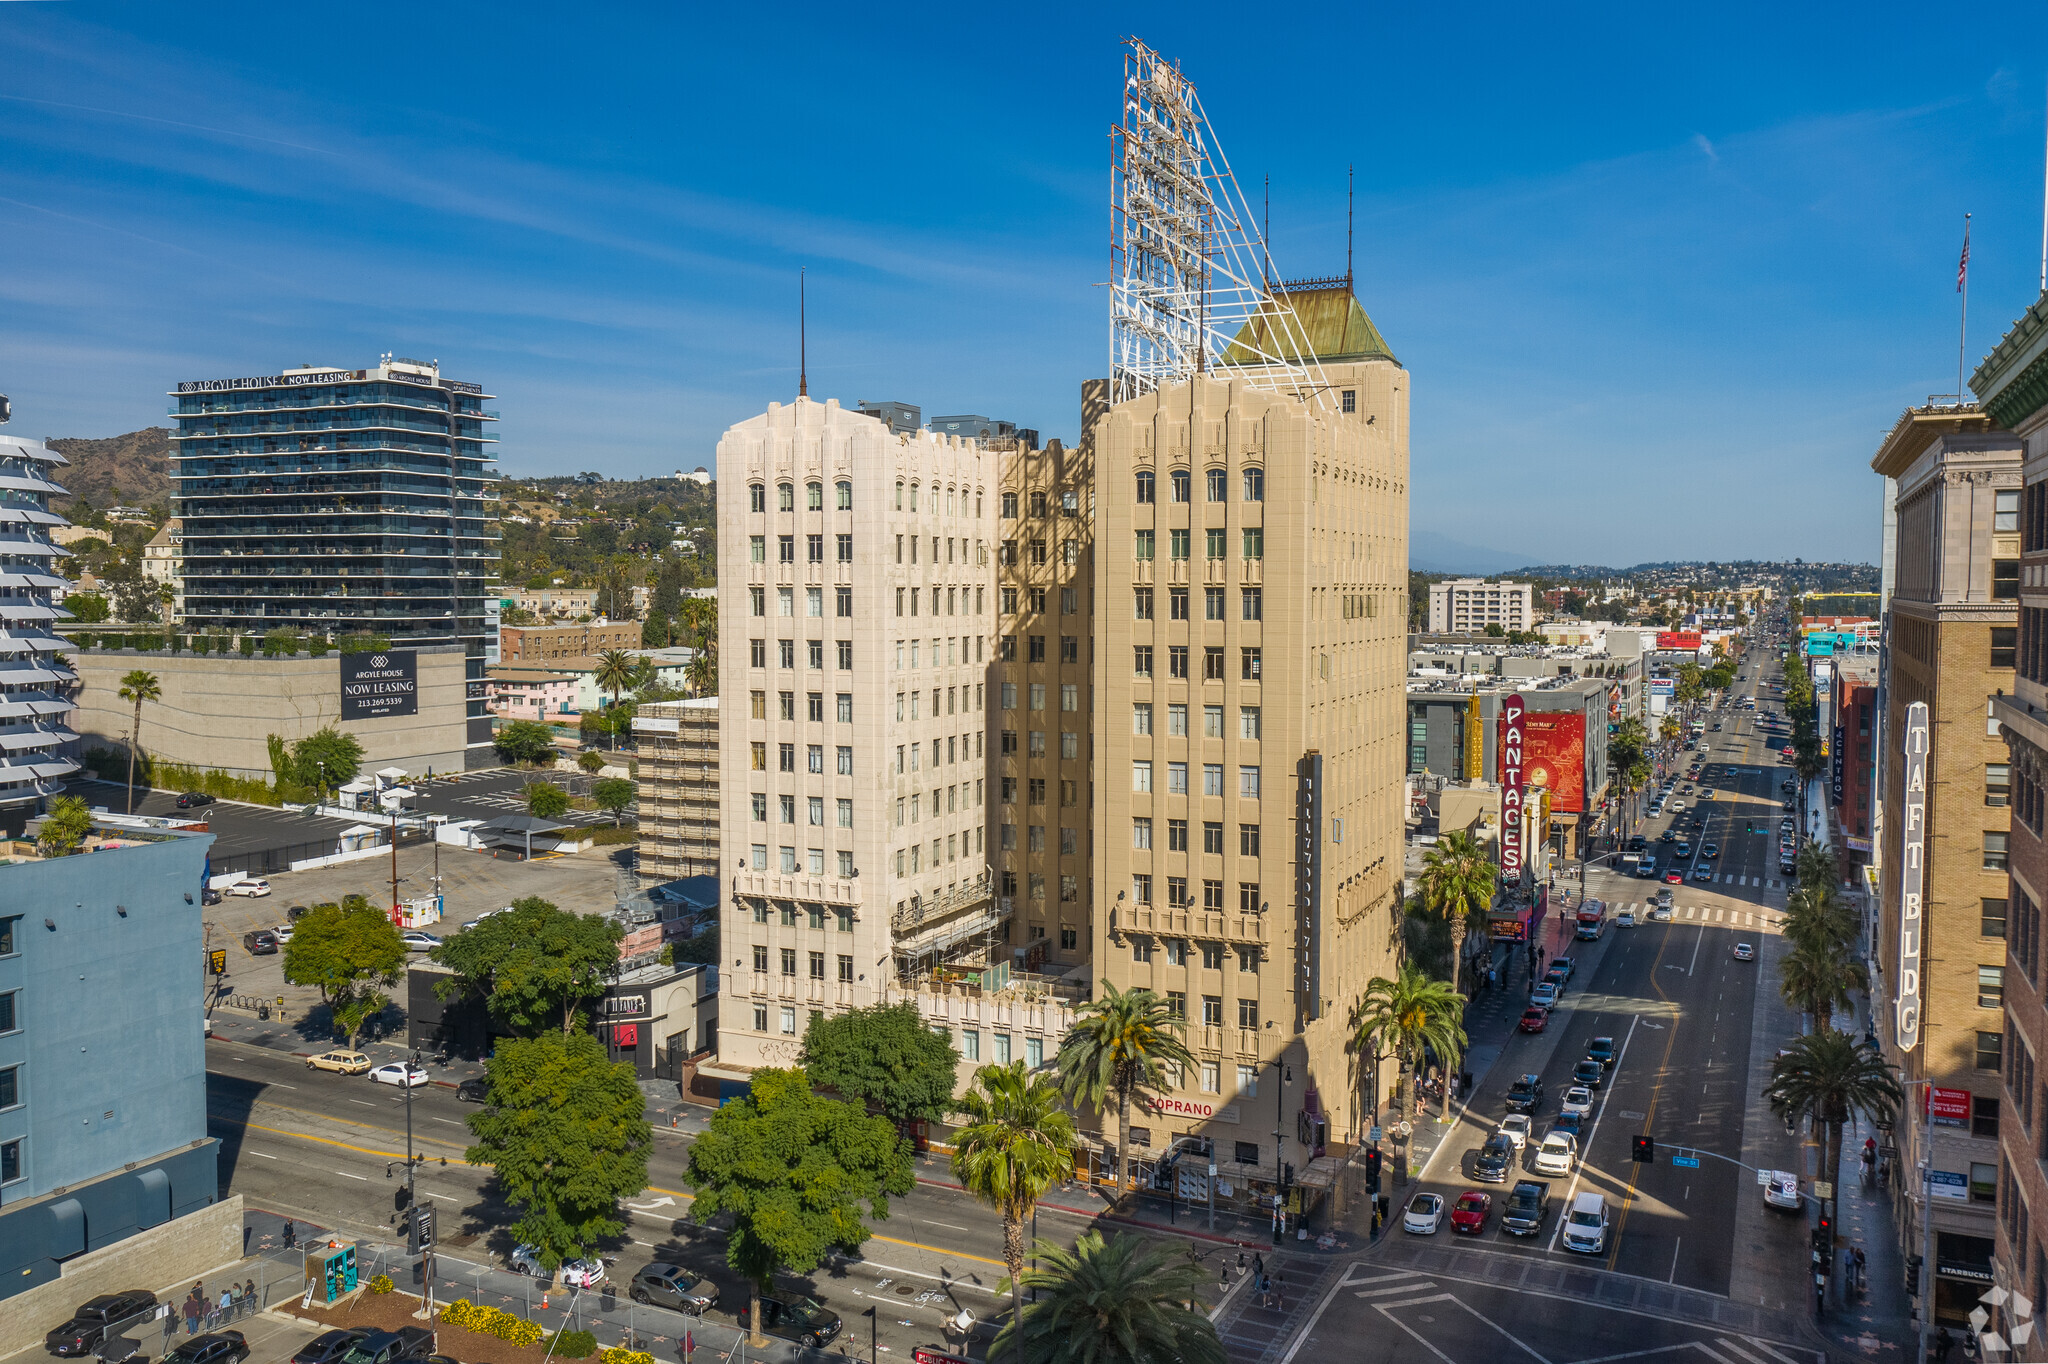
(1250,614)
(679,811)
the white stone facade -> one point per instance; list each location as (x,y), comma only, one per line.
(1466,606)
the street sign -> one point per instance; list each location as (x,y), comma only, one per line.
(1691,1162)
(1763,1176)
(1823,1188)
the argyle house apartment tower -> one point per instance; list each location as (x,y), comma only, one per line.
(1251,556)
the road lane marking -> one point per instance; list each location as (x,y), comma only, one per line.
(265,1154)
(1650,1114)
(365,1103)
(932,1222)
(346,1175)
(1409,1286)
(452,1122)
(1578,1174)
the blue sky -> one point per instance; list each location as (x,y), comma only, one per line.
(1662,279)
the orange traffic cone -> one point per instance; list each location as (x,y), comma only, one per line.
(543,1300)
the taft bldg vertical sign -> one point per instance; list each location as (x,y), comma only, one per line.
(1512,713)
(1308,879)
(1912,873)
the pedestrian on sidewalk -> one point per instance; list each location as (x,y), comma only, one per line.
(1265,1291)
(249,1303)
(291,1234)
(192,1311)
(226,1306)
(1280,1292)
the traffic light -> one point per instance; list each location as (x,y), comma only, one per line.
(401,1199)
(1824,1235)
(1646,1150)
(1287,1179)
(217,961)
(1372,1170)
(1912,1276)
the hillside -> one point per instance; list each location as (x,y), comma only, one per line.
(138,464)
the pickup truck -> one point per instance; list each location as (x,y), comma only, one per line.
(1528,1205)
(388,1347)
(89,1321)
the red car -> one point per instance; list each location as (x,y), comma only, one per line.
(1468,1214)
(1534,1017)
(1674,878)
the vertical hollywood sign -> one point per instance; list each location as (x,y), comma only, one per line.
(1511,711)
(1912,873)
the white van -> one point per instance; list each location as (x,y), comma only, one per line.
(1585,1226)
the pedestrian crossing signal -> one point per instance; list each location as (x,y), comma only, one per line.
(217,961)
(1645,1150)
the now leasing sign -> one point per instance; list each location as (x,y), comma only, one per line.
(1912,873)
(376,685)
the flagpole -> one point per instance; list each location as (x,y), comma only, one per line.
(2044,218)
(1963,327)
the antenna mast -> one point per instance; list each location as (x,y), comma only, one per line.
(1192,285)
(803,341)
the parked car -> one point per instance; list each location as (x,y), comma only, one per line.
(91,1318)
(1468,1214)
(283,933)
(389,1347)
(295,913)
(792,1316)
(416,941)
(1424,1216)
(328,1346)
(1564,964)
(403,1073)
(1585,1226)
(254,890)
(261,943)
(571,1273)
(1528,1204)
(209,896)
(1544,994)
(664,1285)
(1781,1190)
(1535,1018)
(474,1090)
(194,800)
(215,1347)
(346,1062)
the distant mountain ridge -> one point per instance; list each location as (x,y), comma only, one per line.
(137,464)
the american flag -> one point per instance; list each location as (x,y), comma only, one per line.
(1963,265)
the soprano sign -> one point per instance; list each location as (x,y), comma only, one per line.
(1511,758)
(1912,873)
(374,686)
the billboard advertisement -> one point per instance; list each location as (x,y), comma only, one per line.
(1513,714)
(1554,757)
(377,685)
(1664,686)
(1947,1107)
(1678,639)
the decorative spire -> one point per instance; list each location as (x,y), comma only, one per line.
(1348,175)
(803,359)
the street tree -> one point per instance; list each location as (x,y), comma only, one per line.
(138,686)
(1403,1016)
(326,758)
(1017,1141)
(797,1175)
(885,1056)
(536,967)
(590,760)
(1127,1300)
(1457,886)
(524,741)
(352,954)
(1819,978)
(614,794)
(1120,1043)
(617,672)
(1834,1078)
(544,799)
(566,1132)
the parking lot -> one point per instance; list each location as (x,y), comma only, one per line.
(236,827)
(494,792)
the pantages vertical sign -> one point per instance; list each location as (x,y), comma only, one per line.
(1912,874)
(1511,713)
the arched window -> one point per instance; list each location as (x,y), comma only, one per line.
(757,497)
(845,495)
(814,496)
(785,496)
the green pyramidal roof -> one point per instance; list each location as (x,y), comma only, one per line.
(1336,326)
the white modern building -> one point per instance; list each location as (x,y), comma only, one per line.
(37,743)
(857,624)
(1460,606)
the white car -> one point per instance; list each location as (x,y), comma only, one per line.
(1625,919)
(1578,1099)
(399,1073)
(1660,914)
(1558,1154)
(416,941)
(1781,1190)
(283,933)
(1425,1214)
(572,1274)
(255,890)
(1515,1127)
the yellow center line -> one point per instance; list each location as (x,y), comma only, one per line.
(418,1140)
(1656,1093)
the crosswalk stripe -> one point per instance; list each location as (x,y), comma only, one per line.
(1731,1347)
(1411,1286)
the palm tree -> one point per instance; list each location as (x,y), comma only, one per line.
(1834,1078)
(1018,1140)
(1815,918)
(701,674)
(1120,1043)
(1127,1300)
(1457,885)
(1404,1015)
(138,686)
(617,671)
(1819,978)
(1816,866)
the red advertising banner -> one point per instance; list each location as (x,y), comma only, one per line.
(1678,639)
(1512,717)
(1554,749)
(1948,1107)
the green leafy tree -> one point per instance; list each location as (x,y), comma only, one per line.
(1818,978)
(1403,1015)
(1127,1300)
(590,760)
(524,741)
(1457,885)
(566,1132)
(64,827)
(352,953)
(1834,1078)
(280,757)
(537,967)
(614,794)
(1121,1043)
(138,686)
(617,672)
(327,757)
(1815,867)
(87,608)
(798,1175)
(544,799)
(1017,1142)
(886,1056)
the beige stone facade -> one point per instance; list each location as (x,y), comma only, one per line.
(555,643)
(1950,644)
(1251,607)
(679,811)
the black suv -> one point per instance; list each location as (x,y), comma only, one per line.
(1588,1073)
(1528,1205)
(474,1090)
(328,1346)
(1525,1094)
(193,800)
(261,943)
(1601,1049)
(215,1347)
(1496,1160)
(90,1320)
(673,1286)
(793,1316)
